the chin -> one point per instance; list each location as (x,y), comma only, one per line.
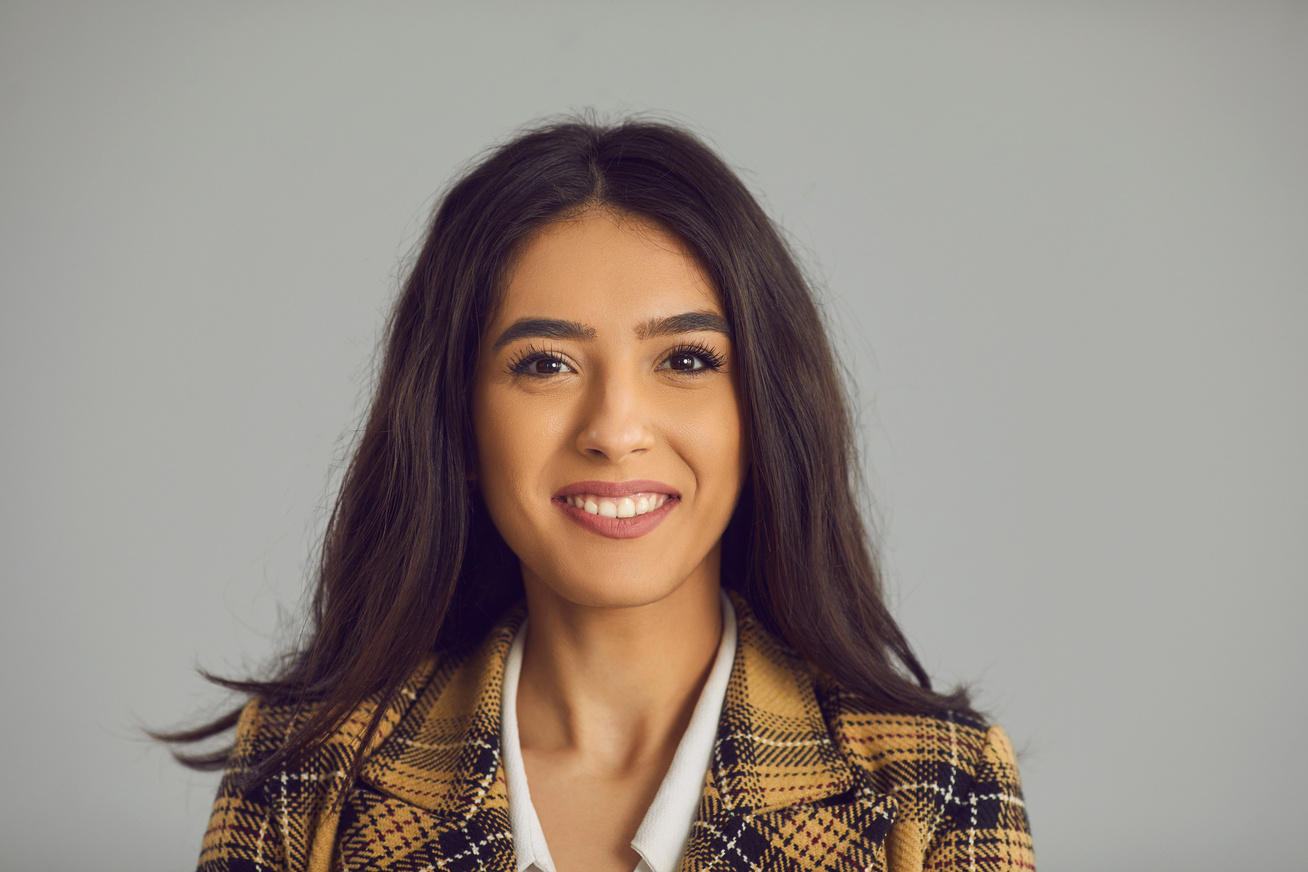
(609,590)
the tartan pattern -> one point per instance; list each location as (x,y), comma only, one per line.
(804,776)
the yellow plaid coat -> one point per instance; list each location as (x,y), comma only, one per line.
(803,777)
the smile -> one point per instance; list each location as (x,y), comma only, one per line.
(623,507)
(617,510)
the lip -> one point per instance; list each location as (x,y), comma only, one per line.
(618,528)
(617,489)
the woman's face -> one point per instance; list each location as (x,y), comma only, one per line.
(610,448)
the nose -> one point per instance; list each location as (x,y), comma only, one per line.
(615,424)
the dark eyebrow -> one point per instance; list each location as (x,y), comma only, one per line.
(553,328)
(543,328)
(689,322)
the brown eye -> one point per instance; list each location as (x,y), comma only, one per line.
(538,364)
(683,361)
(548,366)
(692,359)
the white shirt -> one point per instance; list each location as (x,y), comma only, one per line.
(664,831)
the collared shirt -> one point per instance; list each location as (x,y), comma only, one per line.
(665,829)
(804,776)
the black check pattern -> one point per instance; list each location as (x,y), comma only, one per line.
(804,777)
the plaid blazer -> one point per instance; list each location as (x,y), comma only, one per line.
(803,777)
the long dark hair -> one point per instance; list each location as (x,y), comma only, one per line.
(410,560)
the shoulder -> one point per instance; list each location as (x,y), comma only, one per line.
(274,822)
(954,780)
(266,724)
(886,744)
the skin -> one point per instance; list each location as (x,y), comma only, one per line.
(622,632)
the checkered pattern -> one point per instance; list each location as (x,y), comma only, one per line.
(804,777)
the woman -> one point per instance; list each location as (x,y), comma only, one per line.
(596,594)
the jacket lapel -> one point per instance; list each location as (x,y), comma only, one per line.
(779,793)
(433,795)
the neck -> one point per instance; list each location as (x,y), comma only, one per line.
(616,686)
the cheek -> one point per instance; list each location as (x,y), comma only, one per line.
(501,465)
(711,435)
(514,440)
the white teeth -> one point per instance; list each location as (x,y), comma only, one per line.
(621,507)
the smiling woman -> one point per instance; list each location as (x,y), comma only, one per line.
(642,387)
(596,594)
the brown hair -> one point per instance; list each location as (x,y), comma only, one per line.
(410,560)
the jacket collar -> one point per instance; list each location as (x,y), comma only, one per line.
(778,788)
(443,754)
(774,749)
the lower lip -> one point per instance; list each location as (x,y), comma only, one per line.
(620,528)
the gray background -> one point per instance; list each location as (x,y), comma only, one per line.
(1063,246)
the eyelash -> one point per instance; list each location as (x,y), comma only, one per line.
(524,359)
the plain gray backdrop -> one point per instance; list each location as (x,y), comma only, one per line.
(1061,246)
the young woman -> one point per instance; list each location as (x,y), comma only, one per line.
(596,594)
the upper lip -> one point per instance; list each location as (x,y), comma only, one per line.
(616,488)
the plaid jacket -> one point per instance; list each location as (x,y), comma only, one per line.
(804,777)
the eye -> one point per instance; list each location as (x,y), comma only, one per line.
(538,364)
(692,358)
(683,361)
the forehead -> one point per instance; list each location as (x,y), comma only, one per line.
(605,268)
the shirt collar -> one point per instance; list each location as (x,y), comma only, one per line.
(441,747)
(663,833)
(528,838)
(665,829)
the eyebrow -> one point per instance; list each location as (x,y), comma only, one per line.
(687,322)
(553,328)
(543,328)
